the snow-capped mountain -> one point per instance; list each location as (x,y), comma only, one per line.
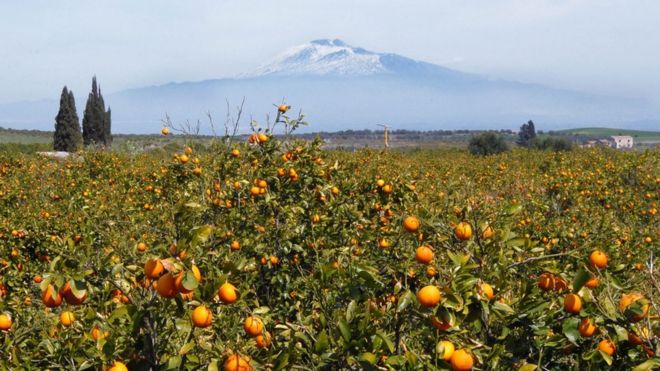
(334,57)
(340,87)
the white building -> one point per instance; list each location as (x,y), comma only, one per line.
(622,141)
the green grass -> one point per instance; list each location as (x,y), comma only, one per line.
(606,132)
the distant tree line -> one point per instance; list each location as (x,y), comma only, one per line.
(96,123)
(490,143)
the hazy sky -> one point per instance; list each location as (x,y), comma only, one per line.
(604,46)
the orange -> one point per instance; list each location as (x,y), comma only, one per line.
(153,268)
(560,284)
(253,326)
(118,366)
(49,300)
(184,159)
(263,340)
(587,328)
(627,300)
(282,108)
(188,151)
(598,259)
(486,290)
(141,246)
(255,191)
(546,281)
(98,334)
(262,138)
(69,297)
(572,303)
(178,283)
(592,283)
(5,322)
(461,360)
(607,346)
(387,188)
(202,317)
(383,243)
(439,324)
(67,318)
(235,245)
(37,279)
(424,254)
(237,363)
(227,293)
(235,152)
(488,233)
(380,183)
(165,131)
(411,224)
(166,286)
(429,296)
(634,339)
(445,350)
(463,231)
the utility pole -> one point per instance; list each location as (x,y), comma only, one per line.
(385,135)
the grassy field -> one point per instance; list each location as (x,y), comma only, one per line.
(605,132)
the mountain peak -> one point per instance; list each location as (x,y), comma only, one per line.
(323,57)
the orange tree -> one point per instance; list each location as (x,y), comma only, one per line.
(277,254)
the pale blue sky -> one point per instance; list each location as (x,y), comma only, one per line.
(603,46)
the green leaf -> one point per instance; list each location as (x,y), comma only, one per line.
(395,361)
(404,301)
(174,362)
(78,288)
(581,277)
(350,310)
(502,309)
(321,342)
(189,281)
(650,364)
(606,357)
(368,357)
(186,348)
(513,209)
(386,340)
(527,367)
(344,330)
(570,329)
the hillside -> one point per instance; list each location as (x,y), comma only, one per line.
(605,132)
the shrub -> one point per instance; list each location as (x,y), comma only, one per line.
(556,144)
(486,144)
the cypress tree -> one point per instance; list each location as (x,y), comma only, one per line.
(96,121)
(526,134)
(67,135)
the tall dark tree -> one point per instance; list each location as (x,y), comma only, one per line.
(96,121)
(67,135)
(526,134)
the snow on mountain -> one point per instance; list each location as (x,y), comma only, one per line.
(323,57)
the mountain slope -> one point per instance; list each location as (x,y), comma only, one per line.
(344,87)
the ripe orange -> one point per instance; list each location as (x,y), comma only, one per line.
(165,131)
(262,138)
(429,296)
(255,191)
(461,360)
(627,300)
(380,183)
(118,366)
(253,326)
(439,324)
(184,159)
(546,281)
(197,171)
(69,297)
(166,286)
(445,349)
(486,290)
(37,279)
(188,151)
(67,318)
(237,363)
(572,303)
(282,108)
(5,322)
(598,259)
(387,188)
(587,328)
(141,247)
(592,283)
(153,268)
(48,299)
(227,293)
(411,224)
(383,243)
(98,334)
(235,245)
(488,233)
(263,340)
(463,231)
(424,254)
(607,346)
(202,317)
(235,152)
